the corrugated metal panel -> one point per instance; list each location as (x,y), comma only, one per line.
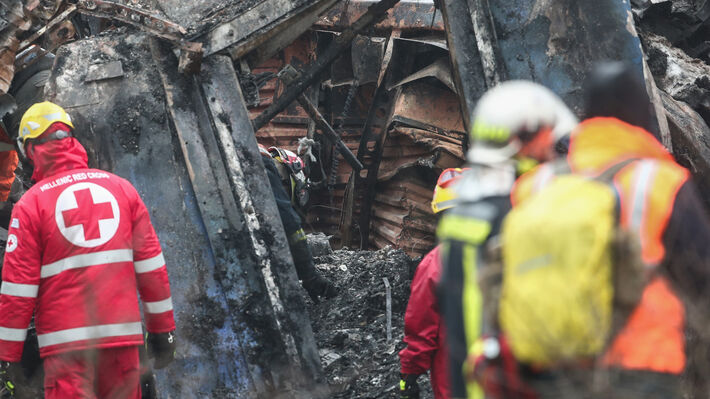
(402,216)
(291,124)
(425,135)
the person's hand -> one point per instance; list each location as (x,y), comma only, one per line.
(162,348)
(408,387)
(9,376)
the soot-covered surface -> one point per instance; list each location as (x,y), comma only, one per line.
(351,329)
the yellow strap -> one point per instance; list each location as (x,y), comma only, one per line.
(298,235)
(472,309)
(459,228)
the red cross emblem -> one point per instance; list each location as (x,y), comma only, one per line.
(87,214)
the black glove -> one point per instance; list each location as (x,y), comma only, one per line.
(318,286)
(162,348)
(408,387)
(9,376)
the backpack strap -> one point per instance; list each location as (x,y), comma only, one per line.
(607,176)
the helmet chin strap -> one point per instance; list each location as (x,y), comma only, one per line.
(56,135)
(21,150)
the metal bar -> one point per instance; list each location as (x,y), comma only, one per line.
(388,304)
(134,16)
(54,22)
(465,58)
(487,41)
(288,75)
(375,13)
(329,133)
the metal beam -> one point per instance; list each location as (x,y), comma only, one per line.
(469,77)
(240,153)
(289,75)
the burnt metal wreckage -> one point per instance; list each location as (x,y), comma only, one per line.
(188,89)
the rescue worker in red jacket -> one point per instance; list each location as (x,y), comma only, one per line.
(276,161)
(423,325)
(80,247)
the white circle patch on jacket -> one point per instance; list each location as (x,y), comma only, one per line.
(87,214)
(11,243)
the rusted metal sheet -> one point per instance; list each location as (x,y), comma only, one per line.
(424,132)
(402,216)
(439,69)
(429,104)
(292,123)
(404,16)
(406,148)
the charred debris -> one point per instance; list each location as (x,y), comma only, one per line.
(374,95)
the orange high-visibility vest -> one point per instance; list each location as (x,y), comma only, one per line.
(653,337)
(8,164)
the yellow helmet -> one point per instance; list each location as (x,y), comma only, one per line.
(39,117)
(444,193)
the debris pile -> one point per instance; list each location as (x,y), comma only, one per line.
(351,329)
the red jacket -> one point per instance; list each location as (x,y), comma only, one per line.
(80,244)
(424,329)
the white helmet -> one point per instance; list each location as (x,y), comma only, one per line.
(511,115)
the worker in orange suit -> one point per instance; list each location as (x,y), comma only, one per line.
(8,163)
(659,201)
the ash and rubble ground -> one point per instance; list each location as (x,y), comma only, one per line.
(351,329)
